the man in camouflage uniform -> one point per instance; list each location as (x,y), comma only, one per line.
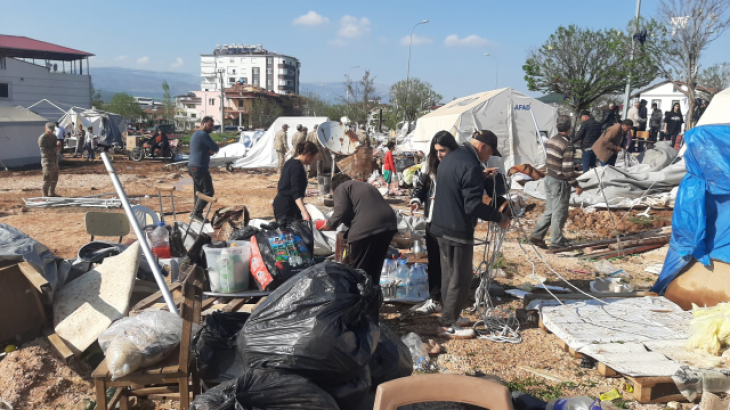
(281,146)
(322,153)
(297,138)
(49,160)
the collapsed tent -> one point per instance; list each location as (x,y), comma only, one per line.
(107,126)
(514,117)
(232,152)
(701,220)
(263,154)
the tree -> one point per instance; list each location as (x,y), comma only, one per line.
(264,112)
(415,98)
(168,105)
(96,101)
(714,79)
(584,65)
(694,25)
(362,98)
(124,105)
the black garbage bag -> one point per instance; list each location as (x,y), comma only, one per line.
(321,324)
(243,234)
(351,394)
(303,229)
(265,390)
(215,350)
(278,255)
(391,359)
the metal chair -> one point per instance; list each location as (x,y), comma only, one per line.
(106,224)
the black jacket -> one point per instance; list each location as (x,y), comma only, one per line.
(458,204)
(589,132)
(423,193)
(609,118)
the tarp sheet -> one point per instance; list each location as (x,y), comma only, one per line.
(107,126)
(701,219)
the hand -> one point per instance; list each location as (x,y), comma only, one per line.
(413,207)
(506,222)
(579,190)
(617,149)
(306,216)
(490,172)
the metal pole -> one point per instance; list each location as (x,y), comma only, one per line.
(140,236)
(408,80)
(223,116)
(496,71)
(627,96)
(537,131)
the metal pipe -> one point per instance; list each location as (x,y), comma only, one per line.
(627,94)
(140,236)
(539,136)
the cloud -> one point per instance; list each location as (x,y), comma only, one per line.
(383,40)
(178,63)
(311,19)
(352,27)
(143,60)
(120,58)
(337,43)
(470,41)
(417,40)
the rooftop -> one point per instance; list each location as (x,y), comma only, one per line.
(24,47)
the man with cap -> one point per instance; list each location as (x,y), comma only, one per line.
(590,131)
(560,177)
(281,146)
(49,159)
(458,206)
(609,145)
(298,137)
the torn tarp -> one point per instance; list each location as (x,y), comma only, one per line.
(19,247)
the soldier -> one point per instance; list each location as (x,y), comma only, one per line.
(49,160)
(281,146)
(322,153)
(297,137)
(362,136)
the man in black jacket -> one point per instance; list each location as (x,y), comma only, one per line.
(457,208)
(610,116)
(590,131)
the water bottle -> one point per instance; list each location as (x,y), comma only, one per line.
(417,282)
(160,239)
(385,275)
(424,288)
(225,270)
(401,276)
(574,403)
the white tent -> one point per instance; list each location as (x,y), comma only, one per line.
(263,154)
(718,112)
(506,112)
(19,132)
(107,125)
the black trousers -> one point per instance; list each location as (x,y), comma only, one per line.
(369,253)
(434,265)
(203,183)
(456,276)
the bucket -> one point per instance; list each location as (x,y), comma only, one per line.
(324,183)
(229,274)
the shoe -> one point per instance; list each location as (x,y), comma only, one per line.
(455,332)
(463,321)
(199,218)
(537,242)
(428,307)
(560,245)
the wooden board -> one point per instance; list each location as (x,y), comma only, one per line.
(23,315)
(655,390)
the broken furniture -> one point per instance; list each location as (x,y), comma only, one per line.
(106,224)
(174,377)
(166,188)
(442,388)
(21,295)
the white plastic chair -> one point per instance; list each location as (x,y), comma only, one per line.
(144,215)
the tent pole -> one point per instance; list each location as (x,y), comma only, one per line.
(537,131)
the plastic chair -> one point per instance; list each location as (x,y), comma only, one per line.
(442,387)
(106,224)
(144,215)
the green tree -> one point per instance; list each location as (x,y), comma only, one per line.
(124,105)
(264,112)
(362,98)
(414,98)
(168,105)
(714,79)
(583,65)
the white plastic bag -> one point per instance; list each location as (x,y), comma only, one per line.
(138,342)
(419,352)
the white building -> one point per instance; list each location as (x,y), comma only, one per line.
(32,71)
(665,94)
(250,65)
(147,102)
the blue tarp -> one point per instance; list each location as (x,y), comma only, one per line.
(701,220)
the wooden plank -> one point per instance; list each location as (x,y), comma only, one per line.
(35,278)
(233,305)
(258,303)
(207,303)
(116,397)
(542,326)
(146,391)
(150,300)
(626,251)
(655,390)
(59,345)
(100,394)
(641,242)
(606,371)
(667,231)
(574,354)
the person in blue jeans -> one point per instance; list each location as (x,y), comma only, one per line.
(201,148)
(588,134)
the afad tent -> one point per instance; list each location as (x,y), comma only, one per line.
(514,117)
(20,129)
(263,154)
(718,112)
(109,127)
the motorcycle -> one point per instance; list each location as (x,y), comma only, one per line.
(139,153)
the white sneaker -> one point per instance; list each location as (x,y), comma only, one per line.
(456,332)
(428,307)
(463,321)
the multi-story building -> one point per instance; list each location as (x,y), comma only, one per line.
(32,71)
(250,65)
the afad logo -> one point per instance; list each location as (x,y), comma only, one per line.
(522,107)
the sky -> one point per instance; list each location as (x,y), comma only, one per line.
(329,37)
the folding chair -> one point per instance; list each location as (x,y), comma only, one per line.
(106,224)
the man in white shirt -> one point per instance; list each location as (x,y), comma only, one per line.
(61,136)
(90,144)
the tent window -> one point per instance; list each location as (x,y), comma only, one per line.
(4,90)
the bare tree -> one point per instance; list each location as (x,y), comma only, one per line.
(714,79)
(362,98)
(682,32)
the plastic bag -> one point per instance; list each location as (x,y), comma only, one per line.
(137,342)
(692,381)
(607,268)
(351,394)
(391,359)
(276,256)
(214,347)
(265,390)
(418,350)
(321,324)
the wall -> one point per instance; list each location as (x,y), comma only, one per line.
(30,83)
(20,140)
(244,65)
(666,95)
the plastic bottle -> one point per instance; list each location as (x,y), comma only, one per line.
(160,239)
(417,286)
(401,276)
(225,270)
(574,403)
(238,266)
(385,274)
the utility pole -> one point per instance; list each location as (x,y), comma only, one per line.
(496,71)
(223,117)
(633,45)
(408,78)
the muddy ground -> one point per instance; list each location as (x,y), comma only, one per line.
(28,381)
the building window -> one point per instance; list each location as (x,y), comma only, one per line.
(2,63)
(190,105)
(192,115)
(231,80)
(240,103)
(4,90)
(289,83)
(211,101)
(269,61)
(243,60)
(233,61)
(231,70)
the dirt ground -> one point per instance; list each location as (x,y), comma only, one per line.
(33,378)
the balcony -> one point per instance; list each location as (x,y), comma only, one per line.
(286,77)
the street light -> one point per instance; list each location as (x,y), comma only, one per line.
(220,74)
(496,71)
(348,82)
(408,74)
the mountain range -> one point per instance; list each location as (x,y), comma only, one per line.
(145,83)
